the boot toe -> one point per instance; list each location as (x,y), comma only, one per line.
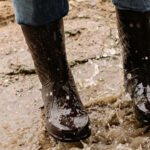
(72,131)
(142,113)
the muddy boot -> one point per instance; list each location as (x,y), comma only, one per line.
(134,31)
(66,117)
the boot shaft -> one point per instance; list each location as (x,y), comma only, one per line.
(47,46)
(134,32)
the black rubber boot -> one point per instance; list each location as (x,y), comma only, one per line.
(66,118)
(134,31)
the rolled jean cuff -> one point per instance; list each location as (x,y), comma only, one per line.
(39,12)
(134,5)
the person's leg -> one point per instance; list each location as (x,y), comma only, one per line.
(133,5)
(134,31)
(39,12)
(66,118)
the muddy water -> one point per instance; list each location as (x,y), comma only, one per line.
(95,57)
(22,115)
(100,85)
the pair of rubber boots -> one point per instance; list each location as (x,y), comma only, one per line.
(66,117)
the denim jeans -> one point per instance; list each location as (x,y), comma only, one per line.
(39,12)
(134,5)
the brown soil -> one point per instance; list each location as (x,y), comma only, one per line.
(94,54)
(7,13)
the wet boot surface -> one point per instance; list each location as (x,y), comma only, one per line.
(134,29)
(66,117)
(94,54)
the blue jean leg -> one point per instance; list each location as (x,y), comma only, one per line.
(134,5)
(39,12)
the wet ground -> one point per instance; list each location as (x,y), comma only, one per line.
(94,54)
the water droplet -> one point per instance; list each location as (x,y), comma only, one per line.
(112,51)
(6,81)
(67,97)
(51,93)
(97,57)
(131,25)
(105,55)
(58,69)
(138,25)
(129,76)
(90,61)
(128,96)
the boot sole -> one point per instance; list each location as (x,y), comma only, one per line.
(70,137)
(141,116)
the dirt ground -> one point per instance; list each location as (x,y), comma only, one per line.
(94,54)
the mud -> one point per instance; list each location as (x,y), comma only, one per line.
(6,12)
(94,54)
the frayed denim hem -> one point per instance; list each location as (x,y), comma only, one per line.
(133,5)
(39,12)
(44,22)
